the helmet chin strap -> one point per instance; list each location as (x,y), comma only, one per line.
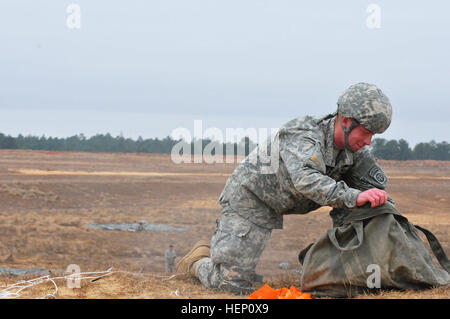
(347,132)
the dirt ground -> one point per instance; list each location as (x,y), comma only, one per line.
(48,200)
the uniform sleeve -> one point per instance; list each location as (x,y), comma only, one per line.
(302,155)
(366,173)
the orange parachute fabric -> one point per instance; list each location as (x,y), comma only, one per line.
(267,292)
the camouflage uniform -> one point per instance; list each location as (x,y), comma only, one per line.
(170,256)
(309,175)
(236,247)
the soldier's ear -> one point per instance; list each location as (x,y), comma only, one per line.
(346,121)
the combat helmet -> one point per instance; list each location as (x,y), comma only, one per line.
(368,106)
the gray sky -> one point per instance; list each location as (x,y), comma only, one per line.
(147,67)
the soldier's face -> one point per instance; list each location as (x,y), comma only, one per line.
(359,137)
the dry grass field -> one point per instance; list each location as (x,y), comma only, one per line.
(48,200)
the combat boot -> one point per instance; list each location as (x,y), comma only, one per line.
(188,264)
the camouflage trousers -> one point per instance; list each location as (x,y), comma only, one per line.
(236,247)
(170,267)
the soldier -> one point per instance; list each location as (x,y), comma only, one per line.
(314,153)
(170,255)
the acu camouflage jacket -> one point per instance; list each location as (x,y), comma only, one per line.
(308,175)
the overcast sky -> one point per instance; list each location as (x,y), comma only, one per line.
(144,68)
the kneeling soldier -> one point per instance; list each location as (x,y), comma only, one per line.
(314,153)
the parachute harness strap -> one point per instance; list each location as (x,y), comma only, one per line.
(347,131)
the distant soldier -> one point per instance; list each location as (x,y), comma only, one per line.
(170,255)
(314,154)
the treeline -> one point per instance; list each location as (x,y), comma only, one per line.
(118,144)
(382,148)
(400,150)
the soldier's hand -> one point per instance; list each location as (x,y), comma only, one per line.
(375,196)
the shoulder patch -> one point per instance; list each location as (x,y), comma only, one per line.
(377,174)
